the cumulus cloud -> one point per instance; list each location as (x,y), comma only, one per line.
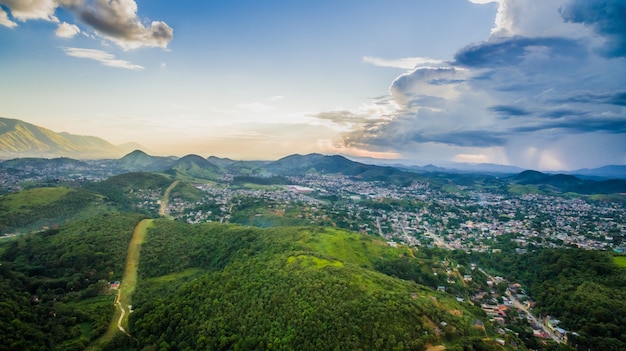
(24,10)
(550,73)
(114,20)
(117,21)
(103,57)
(66,30)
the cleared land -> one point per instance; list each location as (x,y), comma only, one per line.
(166,198)
(620,261)
(123,300)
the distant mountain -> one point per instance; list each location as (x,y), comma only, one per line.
(140,161)
(22,139)
(335,164)
(221,162)
(569,183)
(40,163)
(610,171)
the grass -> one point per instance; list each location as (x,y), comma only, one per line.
(351,247)
(169,278)
(620,261)
(26,199)
(312,261)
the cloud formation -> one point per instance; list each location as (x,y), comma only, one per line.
(550,73)
(66,30)
(117,21)
(103,57)
(606,17)
(114,20)
(403,63)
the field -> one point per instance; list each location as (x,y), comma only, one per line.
(620,261)
(24,200)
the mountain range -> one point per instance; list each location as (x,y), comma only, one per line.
(22,139)
(19,139)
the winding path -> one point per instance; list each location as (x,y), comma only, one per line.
(129,279)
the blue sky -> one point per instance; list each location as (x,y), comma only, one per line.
(535,84)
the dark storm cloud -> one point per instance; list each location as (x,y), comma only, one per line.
(472,138)
(506,111)
(578,125)
(606,17)
(512,51)
(613,98)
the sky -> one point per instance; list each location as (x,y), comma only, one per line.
(534,84)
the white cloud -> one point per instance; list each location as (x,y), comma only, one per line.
(118,21)
(407,63)
(531,18)
(103,57)
(66,30)
(5,21)
(276,98)
(114,20)
(536,93)
(24,10)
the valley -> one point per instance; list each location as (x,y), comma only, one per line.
(245,240)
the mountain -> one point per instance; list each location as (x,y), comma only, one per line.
(609,171)
(336,164)
(140,161)
(22,139)
(194,166)
(570,183)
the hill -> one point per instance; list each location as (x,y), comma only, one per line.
(139,161)
(128,191)
(569,183)
(194,166)
(33,209)
(286,288)
(336,164)
(22,139)
(609,171)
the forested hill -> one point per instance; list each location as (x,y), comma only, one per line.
(227,287)
(216,287)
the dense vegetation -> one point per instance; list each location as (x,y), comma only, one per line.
(34,208)
(125,190)
(54,292)
(584,289)
(223,287)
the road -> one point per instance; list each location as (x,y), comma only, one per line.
(523,308)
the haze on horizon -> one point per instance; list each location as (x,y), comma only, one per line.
(535,84)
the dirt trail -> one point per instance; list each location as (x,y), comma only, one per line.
(166,198)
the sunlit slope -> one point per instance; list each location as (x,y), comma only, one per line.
(32,209)
(211,287)
(19,139)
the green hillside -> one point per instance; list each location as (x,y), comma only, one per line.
(19,138)
(35,208)
(218,287)
(54,292)
(126,191)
